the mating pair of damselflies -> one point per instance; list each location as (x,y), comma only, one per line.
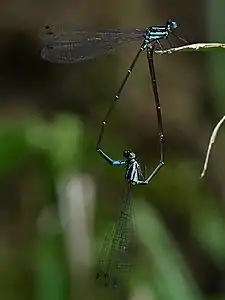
(63,45)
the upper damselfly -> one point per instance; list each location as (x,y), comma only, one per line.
(70,44)
(76,43)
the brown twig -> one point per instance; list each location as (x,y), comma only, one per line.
(211,141)
(192,47)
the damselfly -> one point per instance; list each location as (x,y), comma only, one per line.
(114,257)
(77,43)
(71,45)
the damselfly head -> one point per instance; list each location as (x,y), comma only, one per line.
(148,31)
(129,154)
(171,25)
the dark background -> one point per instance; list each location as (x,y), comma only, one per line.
(58,197)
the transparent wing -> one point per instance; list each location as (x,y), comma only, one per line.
(69,45)
(118,245)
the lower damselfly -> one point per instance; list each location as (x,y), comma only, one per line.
(119,242)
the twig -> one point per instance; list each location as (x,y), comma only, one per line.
(192,47)
(212,140)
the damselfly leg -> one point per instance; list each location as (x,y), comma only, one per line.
(180,38)
(160,46)
(170,44)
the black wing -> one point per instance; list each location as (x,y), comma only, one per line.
(69,45)
(118,245)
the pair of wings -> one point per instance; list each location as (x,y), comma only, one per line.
(73,44)
(115,258)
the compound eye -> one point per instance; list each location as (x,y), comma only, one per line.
(173,24)
(126,153)
(132,155)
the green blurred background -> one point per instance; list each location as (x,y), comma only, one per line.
(58,197)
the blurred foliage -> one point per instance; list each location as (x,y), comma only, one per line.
(52,222)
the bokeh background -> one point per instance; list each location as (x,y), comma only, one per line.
(59,198)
